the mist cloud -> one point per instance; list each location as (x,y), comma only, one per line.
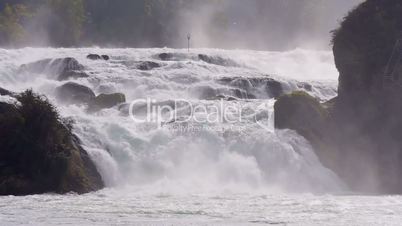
(263,24)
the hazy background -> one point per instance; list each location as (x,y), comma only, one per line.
(267,24)
(251,24)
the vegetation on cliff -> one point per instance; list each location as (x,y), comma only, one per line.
(39,153)
(363,45)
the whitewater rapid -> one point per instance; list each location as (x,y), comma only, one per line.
(128,153)
(158,174)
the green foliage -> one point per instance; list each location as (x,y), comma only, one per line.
(71,14)
(371,30)
(84,22)
(33,141)
(39,153)
(11,29)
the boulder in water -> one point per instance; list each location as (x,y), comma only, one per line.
(39,153)
(103,101)
(73,93)
(94,57)
(97,57)
(148,65)
(217,60)
(306,86)
(165,56)
(301,112)
(62,68)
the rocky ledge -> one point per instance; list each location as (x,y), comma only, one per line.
(359,134)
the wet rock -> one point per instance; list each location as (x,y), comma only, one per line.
(148,65)
(301,112)
(97,57)
(217,60)
(242,94)
(61,68)
(41,154)
(39,66)
(361,140)
(174,57)
(205,92)
(94,57)
(306,86)
(103,101)
(73,93)
(4,92)
(165,56)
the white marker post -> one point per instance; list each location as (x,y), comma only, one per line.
(188,41)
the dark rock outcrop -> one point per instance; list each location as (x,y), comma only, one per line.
(73,93)
(306,115)
(148,65)
(103,101)
(174,56)
(165,56)
(62,68)
(4,92)
(361,140)
(217,60)
(367,112)
(97,57)
(301,112)
(94,57)
(38,152)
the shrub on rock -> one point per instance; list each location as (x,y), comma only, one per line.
(39,153)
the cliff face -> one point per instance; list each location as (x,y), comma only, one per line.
(368,111)
(361,140)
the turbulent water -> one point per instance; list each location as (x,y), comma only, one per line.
(222,172)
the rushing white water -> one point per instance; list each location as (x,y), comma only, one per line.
(220,172)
